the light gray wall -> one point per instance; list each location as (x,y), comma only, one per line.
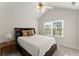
(6,20)
(78,31)
(70,25)
(17,15)
(26,16)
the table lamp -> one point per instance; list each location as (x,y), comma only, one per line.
(9,37)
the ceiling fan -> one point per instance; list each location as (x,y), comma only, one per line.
(42,7)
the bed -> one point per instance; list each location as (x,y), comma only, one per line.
(35,45)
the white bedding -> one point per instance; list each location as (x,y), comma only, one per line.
(36,45)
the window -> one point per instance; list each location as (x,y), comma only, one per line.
(54,28)
(47,28)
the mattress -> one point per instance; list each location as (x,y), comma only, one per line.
(36,45)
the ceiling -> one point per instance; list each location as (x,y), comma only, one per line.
(67,5)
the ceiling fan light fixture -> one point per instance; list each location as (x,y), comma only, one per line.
(40,7)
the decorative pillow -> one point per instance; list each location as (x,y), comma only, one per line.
(24,33)
(27,32)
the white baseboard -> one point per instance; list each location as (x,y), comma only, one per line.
(68,46)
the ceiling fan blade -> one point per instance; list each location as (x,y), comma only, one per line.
(49,7)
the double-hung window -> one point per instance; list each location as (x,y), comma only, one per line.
(54,28)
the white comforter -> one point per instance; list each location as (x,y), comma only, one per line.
(36,45)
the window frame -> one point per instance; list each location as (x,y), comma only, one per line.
(52,27)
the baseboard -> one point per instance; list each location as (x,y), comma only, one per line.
(69,47)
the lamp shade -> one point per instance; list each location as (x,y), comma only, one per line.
(9,36)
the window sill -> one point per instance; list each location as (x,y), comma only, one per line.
(59,36)
(55,36)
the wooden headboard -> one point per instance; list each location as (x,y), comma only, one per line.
(18,31)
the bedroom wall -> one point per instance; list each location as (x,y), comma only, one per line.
(16,15)
(78,30)
(6,20)
(70,25)
(26,16)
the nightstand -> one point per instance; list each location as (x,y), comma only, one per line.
(7,47)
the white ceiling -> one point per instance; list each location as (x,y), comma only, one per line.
(67,5)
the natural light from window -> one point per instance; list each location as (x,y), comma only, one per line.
(54,28)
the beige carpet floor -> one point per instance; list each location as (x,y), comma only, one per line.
(65,51)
